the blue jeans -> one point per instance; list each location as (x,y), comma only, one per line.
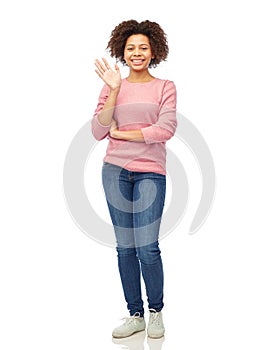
(136,201)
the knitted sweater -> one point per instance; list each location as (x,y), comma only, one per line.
(150,107)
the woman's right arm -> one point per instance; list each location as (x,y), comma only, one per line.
(106,114)
(113,80)
(103,115)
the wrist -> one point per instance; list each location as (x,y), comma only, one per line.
(114,133)
(114,91)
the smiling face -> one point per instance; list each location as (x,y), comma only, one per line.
(137,52)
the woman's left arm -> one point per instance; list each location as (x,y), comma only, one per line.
(129,135)
(165,127)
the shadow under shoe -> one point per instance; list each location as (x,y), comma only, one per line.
(155,344)
(134,342)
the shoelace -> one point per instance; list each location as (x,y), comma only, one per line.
(154,317)
(131,318)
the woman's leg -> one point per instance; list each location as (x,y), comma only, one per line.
(129,269)
(118,189)
(149,199)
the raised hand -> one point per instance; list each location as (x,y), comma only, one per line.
(111,77)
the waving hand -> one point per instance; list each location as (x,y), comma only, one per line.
(111,77)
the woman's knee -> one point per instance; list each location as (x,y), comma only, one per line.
(122,251)
(149,254)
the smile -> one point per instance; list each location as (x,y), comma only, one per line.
(137,61)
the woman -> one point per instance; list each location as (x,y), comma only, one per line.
(138,115)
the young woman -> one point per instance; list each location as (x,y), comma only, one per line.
(138,115)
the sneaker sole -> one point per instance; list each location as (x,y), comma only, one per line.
(126,336)
(156,336)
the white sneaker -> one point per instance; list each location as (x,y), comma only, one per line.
(133,324)
(155,327)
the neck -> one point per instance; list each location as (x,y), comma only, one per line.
(139,77)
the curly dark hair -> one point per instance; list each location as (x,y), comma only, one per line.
(156,35)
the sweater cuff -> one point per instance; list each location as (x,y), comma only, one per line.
(99,130)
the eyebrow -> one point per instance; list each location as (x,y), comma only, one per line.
(143,44)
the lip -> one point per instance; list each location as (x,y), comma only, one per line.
(137,61)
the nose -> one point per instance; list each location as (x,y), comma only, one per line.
(136,52)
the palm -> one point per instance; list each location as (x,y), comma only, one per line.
(112,78)
(109,76)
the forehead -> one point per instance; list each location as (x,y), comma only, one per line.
(137,39)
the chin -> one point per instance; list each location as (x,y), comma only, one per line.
(138,68)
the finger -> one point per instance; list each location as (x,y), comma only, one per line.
(99,65)
(97,62)
(96,70)
(99,74)
(116,67)
(106,63)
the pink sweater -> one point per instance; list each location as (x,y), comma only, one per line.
(150,107)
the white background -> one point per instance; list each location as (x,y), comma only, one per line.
(60,289)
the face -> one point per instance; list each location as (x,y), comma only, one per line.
(137,52)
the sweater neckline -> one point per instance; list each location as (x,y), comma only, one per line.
(141,83)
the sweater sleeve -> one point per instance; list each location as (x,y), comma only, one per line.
(166,125)
(100,131)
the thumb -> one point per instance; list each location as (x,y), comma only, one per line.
(116,67)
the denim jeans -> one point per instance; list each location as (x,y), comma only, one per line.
(136,201)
